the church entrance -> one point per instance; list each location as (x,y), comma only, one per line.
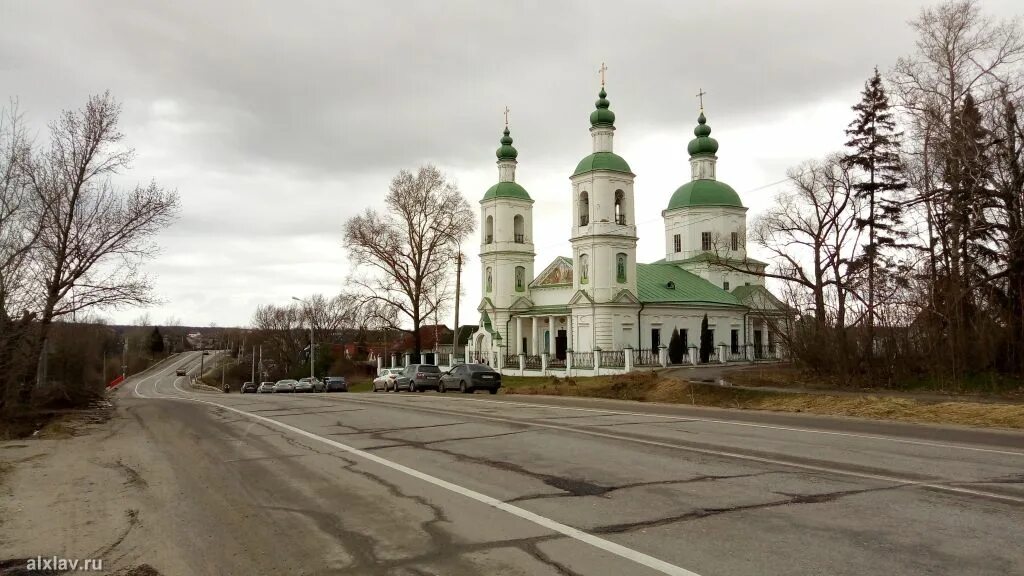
(561,344)
(757,344)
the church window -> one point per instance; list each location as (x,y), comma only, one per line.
(584,207)
(520,278)
(705,241)
(735,240)
(725,286)
(584,268)
(620,216)
(620,267)
(488,280)
(677,242)
(489,230)
(519,228)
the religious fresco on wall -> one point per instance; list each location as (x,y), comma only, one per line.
(560,273)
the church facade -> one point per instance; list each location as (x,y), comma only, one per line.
(600,299)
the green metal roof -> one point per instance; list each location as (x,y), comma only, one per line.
(506,151)
(709,257)
(703,143)
(653,286)
(751,294)
(602,161)
(506,190)
(704,193)
(602,116)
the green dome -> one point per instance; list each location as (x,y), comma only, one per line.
(602,116)
(704,193)
(506,151)
(703,143)
(602,161)
(506,190)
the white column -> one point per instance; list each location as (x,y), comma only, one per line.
(519,336)
(551,336)
(534,349)
(570,344)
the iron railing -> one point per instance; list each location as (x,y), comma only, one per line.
(533,363)
(584,220)
(556,364)
(489,239)
(583,360)
(646,358)
(512,361)
(520,238)
(613,359)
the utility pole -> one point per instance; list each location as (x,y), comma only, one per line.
(458,289)
(261,362)
(309,316)
(254,365)
(124,361)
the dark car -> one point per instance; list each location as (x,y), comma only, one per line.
(419,377)
(179,372)
(336,384)
(248,387)
(469,378)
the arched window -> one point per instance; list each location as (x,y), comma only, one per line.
(584,209)
(620,215)
(489,230)
(584,268)
(519,229)
(488,280)
(620,267)
(520,279)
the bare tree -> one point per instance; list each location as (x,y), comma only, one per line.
(409,248)
(92,236)
(18,234)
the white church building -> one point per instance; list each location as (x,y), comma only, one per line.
(600,308)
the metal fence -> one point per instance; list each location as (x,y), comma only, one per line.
(583,360)
(533,362)
(613,359)
(556,364)
(646,358)
(512,361)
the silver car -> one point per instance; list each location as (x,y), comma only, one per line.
(283,386)
(265,388)
(304,385)
(386,380)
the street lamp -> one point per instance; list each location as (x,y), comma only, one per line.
(309,317)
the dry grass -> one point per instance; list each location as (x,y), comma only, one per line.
(648,387)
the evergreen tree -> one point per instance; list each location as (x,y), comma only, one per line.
(156,341)
(707,347)
(874,149)
(675,347)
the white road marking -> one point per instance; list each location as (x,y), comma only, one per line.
(725,453)
(735,423)
(553,525)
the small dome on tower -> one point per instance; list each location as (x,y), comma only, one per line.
(506,151)
(603,116)
(703,143)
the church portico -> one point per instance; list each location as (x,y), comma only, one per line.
(600,311)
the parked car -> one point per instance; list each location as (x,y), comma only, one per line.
(265,388)
(304,385)
(179,372)
(336,384)
(469,378)
(419,377)
(283,386)
(319,385)
(386,379)
(248,387)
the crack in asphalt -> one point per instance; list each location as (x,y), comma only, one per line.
(707,512)
(609,489)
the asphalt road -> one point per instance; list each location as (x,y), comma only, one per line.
(455,484)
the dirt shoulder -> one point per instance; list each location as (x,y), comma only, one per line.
(651,387)
(73,490)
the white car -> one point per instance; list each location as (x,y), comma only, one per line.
(386,380)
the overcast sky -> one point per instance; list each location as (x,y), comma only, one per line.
(276,121)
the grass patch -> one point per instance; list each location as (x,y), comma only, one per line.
(649,387)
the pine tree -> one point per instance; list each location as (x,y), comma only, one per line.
(874,149)
(707,347)
(156,341)
(675,347)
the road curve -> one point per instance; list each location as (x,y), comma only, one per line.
(457,484)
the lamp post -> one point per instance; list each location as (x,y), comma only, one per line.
(309,317)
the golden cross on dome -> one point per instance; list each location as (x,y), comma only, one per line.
(701,96)
(602,70)
(506,116)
